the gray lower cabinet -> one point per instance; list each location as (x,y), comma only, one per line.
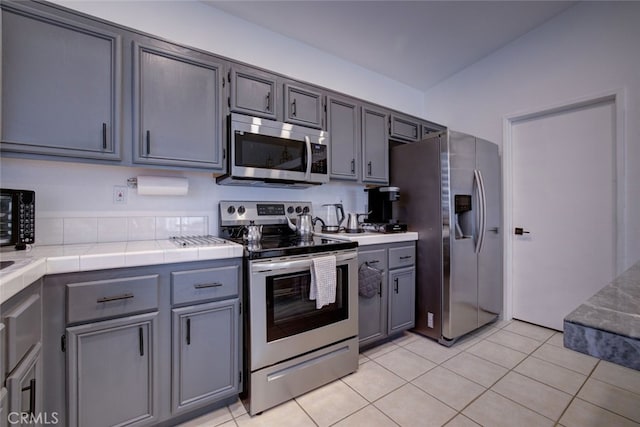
(392,309)
(61,85)
(22,359)
(205,359)
(343,125)
(303,106)
(253,92)
(138,346)
(375,146)
(177,102)
(402,299)
(372,313)
(112,372)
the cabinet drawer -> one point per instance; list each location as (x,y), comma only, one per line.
(375,258)
(23,323)
(111,298)
(402,257)
(202,285)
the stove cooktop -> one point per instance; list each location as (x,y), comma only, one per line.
(278,240)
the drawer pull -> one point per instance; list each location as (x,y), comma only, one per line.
(141,340)
(188,331)
(374,261)
(207,285)
(405,257)
(116,298)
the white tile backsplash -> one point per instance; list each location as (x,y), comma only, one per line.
(82,230)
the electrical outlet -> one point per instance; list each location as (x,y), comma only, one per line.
(119,194)
(430,320)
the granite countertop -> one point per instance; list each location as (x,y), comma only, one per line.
(30,265)
(607,325)
(615,308)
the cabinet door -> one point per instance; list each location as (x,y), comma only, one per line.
(343,124)
(404,129)
(253,93)
(177,107)
(205,354)
(112,372)
(24,384)
(303,106)
(372,312)
(402,290)
(375,146)
(61,86)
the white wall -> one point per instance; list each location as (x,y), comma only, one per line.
(590,49)
(71,190)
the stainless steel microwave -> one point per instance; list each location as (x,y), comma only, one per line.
(267,152)
(17,217)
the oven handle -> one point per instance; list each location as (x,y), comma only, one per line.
(298,264)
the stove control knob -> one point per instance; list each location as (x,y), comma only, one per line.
(306,209)
(231,210)
(290,209)
(241,210)
(298,209)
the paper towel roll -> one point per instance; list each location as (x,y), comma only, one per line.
(162,186)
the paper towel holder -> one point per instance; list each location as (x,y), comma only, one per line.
(159,185)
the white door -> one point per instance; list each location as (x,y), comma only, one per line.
(564,196)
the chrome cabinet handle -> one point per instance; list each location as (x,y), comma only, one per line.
(207,285)
(115,298)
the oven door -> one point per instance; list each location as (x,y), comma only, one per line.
(284,323)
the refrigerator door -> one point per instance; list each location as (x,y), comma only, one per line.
(460,291)
(490,293)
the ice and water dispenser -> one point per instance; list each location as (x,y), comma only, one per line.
(463,216)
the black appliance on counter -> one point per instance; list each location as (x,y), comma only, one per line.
(17,218)
(290,345)
(380,218)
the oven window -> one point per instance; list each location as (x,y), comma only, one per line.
(290,311)
(268,152)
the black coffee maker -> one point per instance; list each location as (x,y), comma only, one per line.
(380,216)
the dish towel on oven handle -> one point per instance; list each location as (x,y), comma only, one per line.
(323,280)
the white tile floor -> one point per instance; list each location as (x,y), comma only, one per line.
(507,374)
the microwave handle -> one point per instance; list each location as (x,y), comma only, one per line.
(307,174)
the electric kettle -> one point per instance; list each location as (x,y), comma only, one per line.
(353,226)
(334,215)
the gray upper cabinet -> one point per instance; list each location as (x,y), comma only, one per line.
(375,146)
(61,86)
(303,106)
(253,92)
(431,128)
(403,128)
(343,125)
(177,107)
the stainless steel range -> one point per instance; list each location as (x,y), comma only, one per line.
(291,346)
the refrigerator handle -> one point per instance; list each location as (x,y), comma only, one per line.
(481,211)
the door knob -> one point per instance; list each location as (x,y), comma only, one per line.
(520,231)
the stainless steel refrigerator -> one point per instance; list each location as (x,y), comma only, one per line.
(450,187)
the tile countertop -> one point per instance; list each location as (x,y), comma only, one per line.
(607,326)
(372,238)
(32,264)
